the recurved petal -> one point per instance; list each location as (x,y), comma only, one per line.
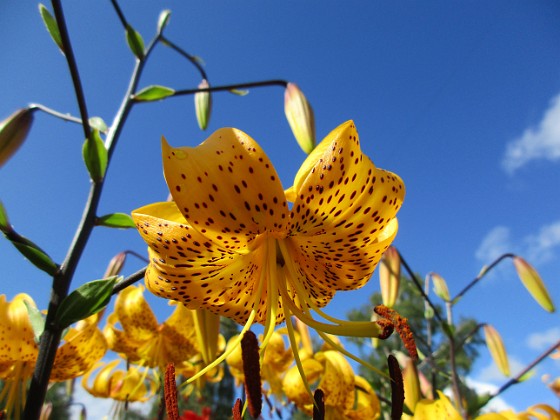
(337,381)
(135,315)
(344,212)
(17,341)
(119,341)
(189,267)
(226,188)
(84,346)
(179,335)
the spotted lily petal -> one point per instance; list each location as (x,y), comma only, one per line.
(135,315)
(367,405)
(343,214)
(84,346)
(188,267)
(16,334)
(226,188)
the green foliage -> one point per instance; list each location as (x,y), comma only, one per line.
(95,156)
(153,93)
(116,220)
(98,124)
(86,300)
(135,42)
(52,26)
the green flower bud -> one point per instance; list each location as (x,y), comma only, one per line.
(300,117)
(13,132)
(203,105)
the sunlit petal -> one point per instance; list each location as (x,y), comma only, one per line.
(343,215)
(84,346)
(226,188)
(188,267)
(134,313)
(17,342)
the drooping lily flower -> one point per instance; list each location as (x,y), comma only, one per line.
(83,346)
(229,242)
(345,395)
(123,386)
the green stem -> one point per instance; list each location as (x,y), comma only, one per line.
(47,110)
(185,54)
(133,278)
(276,82)
(480,276)
(516,378)
(50,339)
(420,288)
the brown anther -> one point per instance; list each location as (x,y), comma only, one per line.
(401,325)
(319,406)
(397,388)
(252,372)
(387,328)
(237,410)
(170,391)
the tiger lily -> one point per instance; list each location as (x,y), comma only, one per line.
(83,346)
(145,342)
(230,243)
(345,394)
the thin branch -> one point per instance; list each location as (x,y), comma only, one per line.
(276,82)
(73,67)
(420,288)
(47,110)
(119,13)
(516,378)
(185,54)
(481,275)
(133,278)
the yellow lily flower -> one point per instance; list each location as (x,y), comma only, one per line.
(229,243)
(143,340)
(83,346)
(120,385)
(346,396)
(276,361)
(440,409)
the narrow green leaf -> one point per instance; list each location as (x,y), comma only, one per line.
(116,220)
(36,256)
(135,42)
(98,124)
(154,93)
(86,300)
(51,25)
(239,92)
(36,319)
(4,221)
(163,20)
(95,156)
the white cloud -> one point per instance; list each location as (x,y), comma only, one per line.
(491,373)
(495,243)
(481,388)
(541,340)
(538,248)
(540,142)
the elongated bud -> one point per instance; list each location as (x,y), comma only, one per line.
(411,381)
(115,265)
(533,283)
(440,287)
(203,105)
(13,132)
(300,117)
(390,276)
(497,349)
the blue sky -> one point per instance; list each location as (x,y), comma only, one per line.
(461,99)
